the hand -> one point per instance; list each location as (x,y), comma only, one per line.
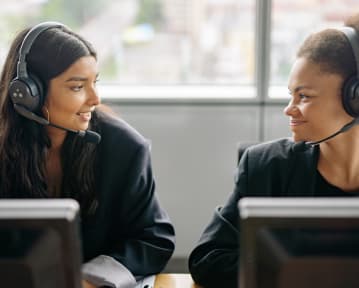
(86,284)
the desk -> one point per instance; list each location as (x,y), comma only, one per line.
(174,281)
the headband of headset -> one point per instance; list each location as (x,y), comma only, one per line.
(26,45)
(27,90)
(350,91)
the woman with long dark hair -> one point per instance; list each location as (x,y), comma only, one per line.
(57,142)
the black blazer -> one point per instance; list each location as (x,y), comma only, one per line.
(129,224)
(278,168)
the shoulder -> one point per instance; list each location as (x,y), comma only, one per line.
(277,150)
(116,131)
(267,168)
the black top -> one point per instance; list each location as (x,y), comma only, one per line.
(279,168)
(326,189)
(129,224)
(129,233)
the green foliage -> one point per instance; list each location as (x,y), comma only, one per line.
(150,11)
(11,24)
(73,13)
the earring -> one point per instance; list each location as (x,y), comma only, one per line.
(44,108)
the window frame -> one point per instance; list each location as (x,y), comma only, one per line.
(187,93)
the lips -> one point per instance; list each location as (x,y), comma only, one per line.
(84,116)
(294,122)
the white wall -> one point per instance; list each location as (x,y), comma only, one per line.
(194,155)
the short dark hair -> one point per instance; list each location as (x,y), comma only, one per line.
(331,50)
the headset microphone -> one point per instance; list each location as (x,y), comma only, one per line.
(27,91)
(346,127)
(87,135)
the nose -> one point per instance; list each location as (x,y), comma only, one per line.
(93,97)
(290,109)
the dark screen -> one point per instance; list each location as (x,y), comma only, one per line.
(30,258)
(291,258)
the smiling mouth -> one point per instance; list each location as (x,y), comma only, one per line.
(296,122)
(84,116)
(84,113)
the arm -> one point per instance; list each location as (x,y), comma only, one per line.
(214,260)
(147,242)
(265,170)
(141,239)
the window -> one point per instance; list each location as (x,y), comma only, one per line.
(152,42)
(202,48)
(292,22)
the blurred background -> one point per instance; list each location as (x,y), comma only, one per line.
(195,77)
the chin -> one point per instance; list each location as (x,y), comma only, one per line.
(297,138)
(83,127)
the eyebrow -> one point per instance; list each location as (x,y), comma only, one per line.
(298,88)
(79,78)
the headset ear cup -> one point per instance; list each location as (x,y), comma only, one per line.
(26,89)
(40,88)
(350,96)
(27,92)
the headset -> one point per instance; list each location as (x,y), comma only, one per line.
(350,92)
(26,90)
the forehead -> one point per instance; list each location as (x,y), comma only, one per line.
(309,74)
(84,66)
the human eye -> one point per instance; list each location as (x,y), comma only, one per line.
(76,88)
(303,96)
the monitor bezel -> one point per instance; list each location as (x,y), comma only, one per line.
(60,215)
(287,212)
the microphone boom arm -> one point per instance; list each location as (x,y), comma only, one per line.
(345,128)
(89,136)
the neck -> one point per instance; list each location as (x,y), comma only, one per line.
(342,147)
(339,160)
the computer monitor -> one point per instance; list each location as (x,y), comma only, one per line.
(299,242)
(40,244)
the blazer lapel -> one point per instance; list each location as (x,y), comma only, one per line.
(303,166)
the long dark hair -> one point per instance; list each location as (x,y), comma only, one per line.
(24,144)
